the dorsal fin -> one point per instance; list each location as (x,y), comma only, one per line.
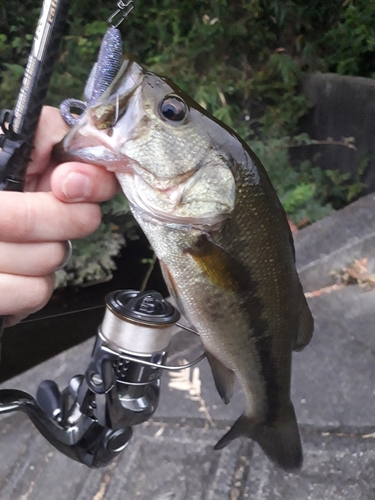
(306,327)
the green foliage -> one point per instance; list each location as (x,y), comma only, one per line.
(300,191)
(309,193)
(240,59)
(341,188)
(92,259)
(351,42)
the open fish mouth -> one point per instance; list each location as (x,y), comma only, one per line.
(88,149)
(82,145)
(95,138)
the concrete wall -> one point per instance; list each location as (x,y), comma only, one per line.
(342,106)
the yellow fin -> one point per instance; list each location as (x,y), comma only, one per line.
(218,265)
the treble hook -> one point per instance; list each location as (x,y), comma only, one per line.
(129,6)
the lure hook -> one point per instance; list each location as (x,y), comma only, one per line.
(124,9)
(117,111)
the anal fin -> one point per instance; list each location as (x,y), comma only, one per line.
(224,378)
(172,288)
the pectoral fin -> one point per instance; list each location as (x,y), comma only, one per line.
(218,265)
(224,378)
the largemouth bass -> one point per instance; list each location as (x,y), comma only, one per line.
(210,212)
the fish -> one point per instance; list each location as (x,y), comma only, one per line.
(213,218)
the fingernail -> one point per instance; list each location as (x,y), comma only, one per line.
(77,187)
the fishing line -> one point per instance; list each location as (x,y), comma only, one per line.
(62,314)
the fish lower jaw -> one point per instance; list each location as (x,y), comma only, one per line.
(159,208)
(149,214)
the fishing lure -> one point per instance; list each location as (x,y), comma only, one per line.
(105,69)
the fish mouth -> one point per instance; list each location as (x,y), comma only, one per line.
(86,144)
(77,146)
(95,138)
(114,102)
(101,137)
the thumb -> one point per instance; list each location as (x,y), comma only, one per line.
(77,182)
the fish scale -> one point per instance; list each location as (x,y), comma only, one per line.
(210,213)
(214,317)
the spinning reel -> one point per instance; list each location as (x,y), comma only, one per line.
(91,419)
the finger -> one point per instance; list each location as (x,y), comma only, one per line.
(31,259)
(51,129)
(14,320)
(32,217)
(24,295)
(77,182)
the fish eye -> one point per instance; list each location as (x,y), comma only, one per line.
(173,108)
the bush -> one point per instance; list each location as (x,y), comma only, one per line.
(240,59)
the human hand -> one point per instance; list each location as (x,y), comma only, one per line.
(60,203)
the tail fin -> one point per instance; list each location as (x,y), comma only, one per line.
(280,440)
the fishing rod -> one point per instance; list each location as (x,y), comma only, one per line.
(19,125)
(91,419)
